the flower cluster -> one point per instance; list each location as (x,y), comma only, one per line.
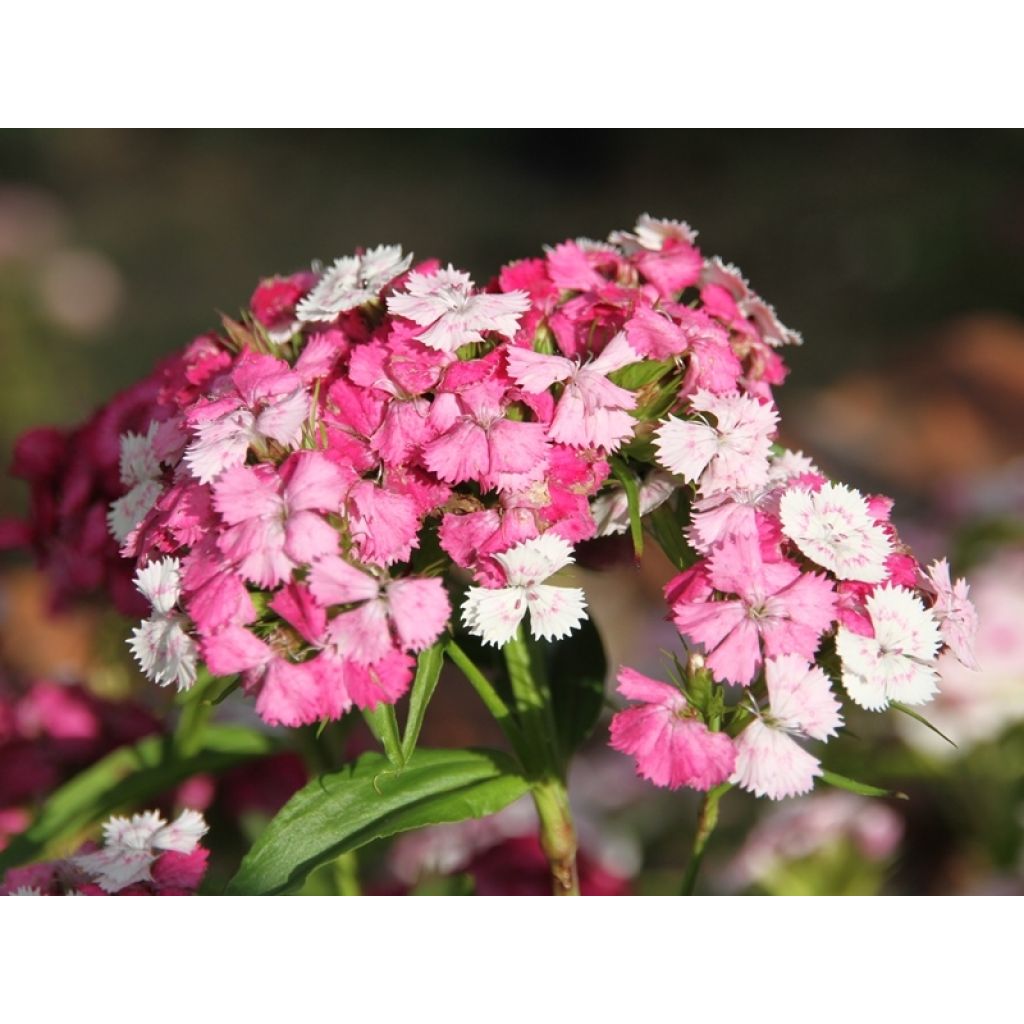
(141,856)
(315,483)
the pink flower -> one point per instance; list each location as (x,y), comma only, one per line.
(732,454)
(769,761)
(672,746)
(263,400)
(774,603)
(591,412)
(444,305)
(958,618)
(726,293)
(272,519)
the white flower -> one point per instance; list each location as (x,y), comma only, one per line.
(731,455)
(898,662)
(131,846)
(835,528)
(160,644)
(443,303)
(351,281)
(140,473)
(769,762)
(25,890)
(789,464)
(494,615)
(652,233)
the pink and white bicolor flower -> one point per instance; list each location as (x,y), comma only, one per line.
(898,663)
(132,845)
(494,615)
(352,281)
(732,454)
(958,618)
(592,411)
(834,528)
(162,647)
(769,761)
(443,304)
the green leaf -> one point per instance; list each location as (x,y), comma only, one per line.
(128,777)
(428,671)
(918,717)
(577,674)
(664,523)
(862,788)
(383,724)
(370,800)
(638,375)
(627,478)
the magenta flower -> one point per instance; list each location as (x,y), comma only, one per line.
(670,743)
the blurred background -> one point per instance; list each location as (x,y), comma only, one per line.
(899,255)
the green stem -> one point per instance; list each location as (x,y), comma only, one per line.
(544,762)
(346,874)
(488,694)
(706,822)
(383,724)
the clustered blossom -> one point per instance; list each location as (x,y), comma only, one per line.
(312,490)
(141,856)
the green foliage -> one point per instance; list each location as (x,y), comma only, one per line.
(369,800)
(129,777)
(577,673)
(428,671)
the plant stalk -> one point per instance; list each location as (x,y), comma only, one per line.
(706,822)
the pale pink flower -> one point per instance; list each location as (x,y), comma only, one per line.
(769,761)
(352,281)
(898,662)
(273,520)
(132,845)
(495,614)
(730,455)
(409,611)
(774,603)
(140,472)
(591,412)
(958,618)
(834,527)
(383,524)
(161,645)
(444,305)
(264,400)
(726,293)
(652,233)
(670,743)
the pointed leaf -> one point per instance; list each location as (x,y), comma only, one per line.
(918,717)
(383,724)
(626,477)
(370,800)
(862,788)
(428,671)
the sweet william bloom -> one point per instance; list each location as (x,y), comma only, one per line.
(958,618)
(769,761)
(731,455)
(670,743)
(273,520)
(494,615)
(264,400)
(140,472)
(898,662)
(775,603)
(443,304)
(833,527)
(352,281)
(162,647)
(132,845)
(592,411)
(727,295)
